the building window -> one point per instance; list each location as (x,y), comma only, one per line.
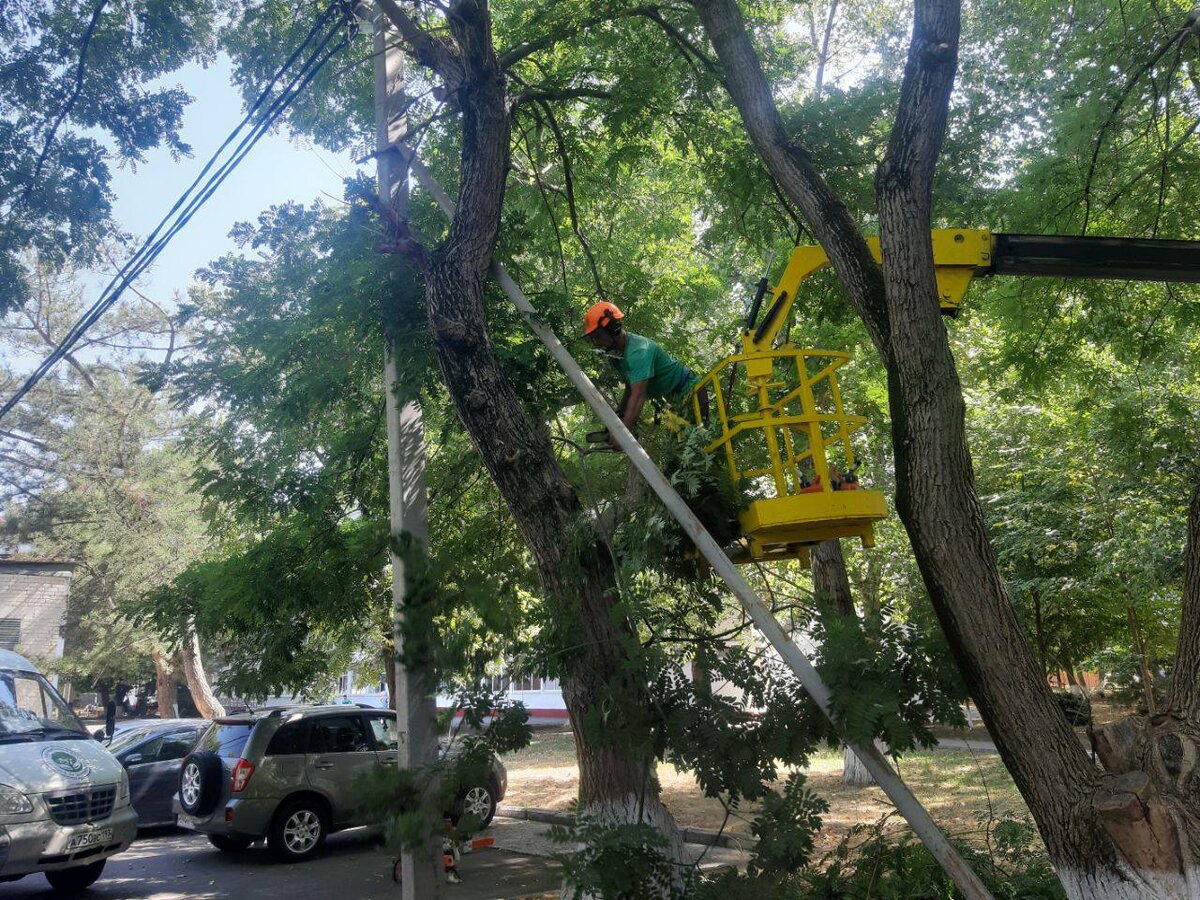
(502,683)
(10,633)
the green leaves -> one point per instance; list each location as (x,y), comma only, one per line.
(889,680)
(70,106)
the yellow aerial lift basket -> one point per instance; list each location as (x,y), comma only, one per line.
(787,432)
(788,435)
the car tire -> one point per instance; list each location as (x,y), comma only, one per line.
(76,880)
(200,780)
(298,830)
(478,802)
(227,844)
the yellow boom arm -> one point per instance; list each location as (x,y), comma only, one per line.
(960,254)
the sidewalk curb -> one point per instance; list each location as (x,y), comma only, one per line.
(689,835)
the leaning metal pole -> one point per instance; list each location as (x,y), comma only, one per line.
(887,778)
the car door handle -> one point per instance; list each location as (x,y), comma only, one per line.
(323,765)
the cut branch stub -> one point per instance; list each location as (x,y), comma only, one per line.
(1145,831)
(1119,744)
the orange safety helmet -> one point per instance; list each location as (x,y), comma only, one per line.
(602,315)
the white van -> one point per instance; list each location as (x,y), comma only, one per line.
(64,799)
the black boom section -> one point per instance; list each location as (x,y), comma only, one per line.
(1130,259)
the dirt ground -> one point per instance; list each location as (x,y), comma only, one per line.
(961,789)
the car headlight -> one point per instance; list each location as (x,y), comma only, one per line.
(13,802)
(123,789)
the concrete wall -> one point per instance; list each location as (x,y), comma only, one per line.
(35,594)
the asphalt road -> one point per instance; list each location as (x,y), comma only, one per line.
(180,865)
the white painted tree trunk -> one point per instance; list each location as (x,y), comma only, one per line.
(853,771)
(652,813)
(1108,886)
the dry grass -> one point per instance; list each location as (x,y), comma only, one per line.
(960,789)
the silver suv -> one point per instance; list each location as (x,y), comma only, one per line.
(288,774)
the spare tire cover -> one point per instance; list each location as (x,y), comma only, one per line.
(200,779)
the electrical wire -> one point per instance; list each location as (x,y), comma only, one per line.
(322,34)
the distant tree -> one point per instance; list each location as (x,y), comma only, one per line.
(91,471)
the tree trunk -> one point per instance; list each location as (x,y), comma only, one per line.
(617,782)
(831,584)
(1154,809)
(197,681)
(1135,633)
(389,667)
(1183,698)
(935,490)
(166,685)
(1039,628)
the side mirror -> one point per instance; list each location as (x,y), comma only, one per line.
(132,760)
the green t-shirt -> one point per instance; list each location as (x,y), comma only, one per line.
(644,360)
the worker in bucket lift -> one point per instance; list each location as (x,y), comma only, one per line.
(649,372)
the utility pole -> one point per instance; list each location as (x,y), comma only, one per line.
(415,693)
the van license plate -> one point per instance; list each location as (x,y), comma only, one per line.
(89,839)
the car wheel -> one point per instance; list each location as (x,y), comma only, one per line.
(229,844)
(478,804)
(200,780)
(298,831)
(77,879)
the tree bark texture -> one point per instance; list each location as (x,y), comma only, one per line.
(197,681)
(1153,803)
(166,686)
(831,583)
(616,782)
(1183,698)
(936,496)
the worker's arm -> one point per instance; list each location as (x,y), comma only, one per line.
(631,406)
(624,404)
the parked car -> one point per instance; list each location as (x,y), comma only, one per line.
(64,803)
(288,774)
(152,753)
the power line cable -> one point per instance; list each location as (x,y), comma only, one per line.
(184,208)
(150,246)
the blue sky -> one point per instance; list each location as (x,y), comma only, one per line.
(275,171)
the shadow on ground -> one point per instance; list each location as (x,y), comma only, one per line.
(168,864)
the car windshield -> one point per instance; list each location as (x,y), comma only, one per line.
(128,738)
(30,709)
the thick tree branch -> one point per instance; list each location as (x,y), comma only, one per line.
(400,238)
(432,52)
